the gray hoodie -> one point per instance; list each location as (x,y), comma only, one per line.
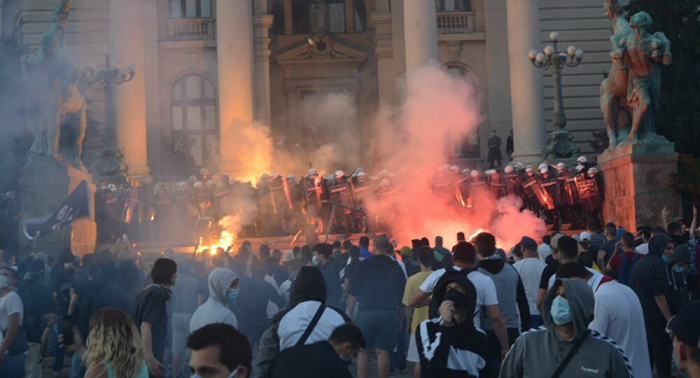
(214,310)
(539,352)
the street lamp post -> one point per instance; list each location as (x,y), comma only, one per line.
(560,140)
(110,163)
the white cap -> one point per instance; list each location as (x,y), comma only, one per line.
(360,169)
(180,185)
(542,166)
(508,169)
(491,172)
(519,165)
(582,159)
(192,178)
(561,165)
(529,169)
(454,168)
(544,170)
(585,237)
(291,177)
(198,185)
(264,176)
(361,174)
(474,173)
(592,170)
(339,173)
(580,168)
(465,171)
(312,172)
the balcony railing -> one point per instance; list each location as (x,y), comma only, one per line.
(191,28)
(456,22)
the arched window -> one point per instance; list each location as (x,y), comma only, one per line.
(453,5)
(195,130)
(190,9)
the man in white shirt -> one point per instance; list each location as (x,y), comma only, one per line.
(544,249)
(618,315)
(464,256)
(530,269)
(645,234)
(11,313)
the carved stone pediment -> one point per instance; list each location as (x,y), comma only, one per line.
(322,49)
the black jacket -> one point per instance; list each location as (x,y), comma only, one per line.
(649,279)
(317,360)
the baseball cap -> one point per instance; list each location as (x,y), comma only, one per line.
(585,237)
(685,325)
(464,252)
(406,251)
(288,256)
(528,243)
(555,240)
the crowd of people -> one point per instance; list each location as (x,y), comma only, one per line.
(279,205)
(604,302)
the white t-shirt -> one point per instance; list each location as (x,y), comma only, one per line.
(530,271)
(642,249)
(544,250)
(485,289)
(10,304)
(618,315)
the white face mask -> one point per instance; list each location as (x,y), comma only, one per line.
(233,374)
(4,282)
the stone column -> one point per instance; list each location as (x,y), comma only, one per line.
(349,16)
(526,89)
(384,50)
(126,19)
(288,17)
(420,25)
(234,31)
(261,30)
(398,41)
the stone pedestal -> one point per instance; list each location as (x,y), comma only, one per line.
(636,185)
(43,189)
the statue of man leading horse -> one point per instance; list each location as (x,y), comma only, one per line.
(629,96)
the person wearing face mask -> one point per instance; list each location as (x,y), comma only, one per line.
(62,292)
(223,289)
(681,282)
(684,329)
(219,351)
(322,359)
(650,281)
(450,345)
(13,343)
(39,314)
(564,346)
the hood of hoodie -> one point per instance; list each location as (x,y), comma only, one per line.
(220,280)
(463,281)
(309,285)
(581,302)
(658,243)
(493,264)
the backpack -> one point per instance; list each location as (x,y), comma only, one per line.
(626,269)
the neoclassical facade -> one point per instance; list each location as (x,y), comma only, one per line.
(205,66)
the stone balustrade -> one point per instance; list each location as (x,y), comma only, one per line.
(456,22)
(191,28)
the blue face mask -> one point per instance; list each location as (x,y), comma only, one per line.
(561,312)
(233,374)
(314,260)
(678,269)
(232,295)
(666,259)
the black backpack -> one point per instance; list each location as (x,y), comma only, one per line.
(626,269)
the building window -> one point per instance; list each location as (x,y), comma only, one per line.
(195,130)
(453,5)
(190,9)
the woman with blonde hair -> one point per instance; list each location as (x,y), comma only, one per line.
(113,348)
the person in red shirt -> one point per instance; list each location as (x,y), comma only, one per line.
(623,260)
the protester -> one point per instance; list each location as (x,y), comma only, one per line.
(351,268)
(643,247)
(252,303)
(486,296)
(364,248)
(39,315)
(617,315)
(568,254)
(551,269)
(650,282)
(416,316)
(682,283)
(223,289)
(288,328)
(323,256)
(624,259)
(120,293)
(566,347)
(184,304)
(607,249)
(219,351)
(63,291)
(450,345)
(13,342)
(324,358)
(512,300)
(443,258)
(597,238)
(530,269)
(150,314)
(544,250)
(378,286)
(684,329)
(113,349)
